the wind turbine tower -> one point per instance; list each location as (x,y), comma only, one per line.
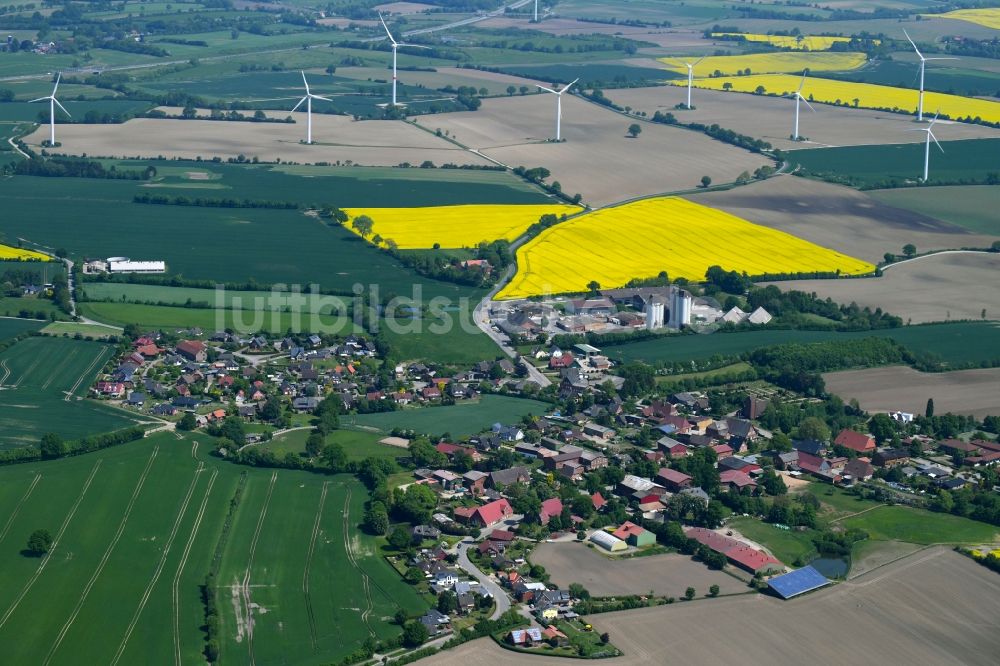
(927,145)
(308,99)
(558,94)
(691,66)
(923,62)
(53,102)
(395,45)
(797,95)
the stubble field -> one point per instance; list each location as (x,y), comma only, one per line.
(934,288)
(597,159)
(839,217)
(901,388)
(670,574)
(932,607)
(772,118)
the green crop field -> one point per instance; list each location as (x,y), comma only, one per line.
(12,327)
(903,523)
(954,79)
(136,530)
(357,444)
(44,382)
(592,72)
(36,308)
(863,166)
(971,206)
(69,328)
(789,546)
(464,418)
(79,109)
(970,342)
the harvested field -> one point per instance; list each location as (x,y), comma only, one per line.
(403,7)
(338,139)
(662,37)
(670,574)
(931,608)
(838,217)
(975,392)
(596,159)
(771,118)
(933,288)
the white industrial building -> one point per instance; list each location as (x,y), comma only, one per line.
(608,542)
(126,265)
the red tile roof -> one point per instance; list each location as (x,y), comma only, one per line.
(737,478)
(598,500)
(494,512)
(551,507)
(736,551)
(855,441)
(673,476)
(627,529)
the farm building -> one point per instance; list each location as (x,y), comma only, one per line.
(797,582)
(608,542)
(634,535)
(737,552)
(126,265)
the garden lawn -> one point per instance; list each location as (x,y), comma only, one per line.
(461,419)
(789,546)
(902,523)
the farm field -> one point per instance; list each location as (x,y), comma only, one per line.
(456,344)
(11,327)
(640,239)
(34,307)
(903,523)
(80,110)
(901,388)
(790,547)
(958,343)
(989,17)
(357,444)
(593,74)
(938,287)
(459,420)
(455,226)
(932,607)
(796,43)
(771,119)
(967,77)
(44,381)
(867,166)
(337,139)
(137,528)
(839,217)
(516,130)
(783,62)
(9,253)
(94,331)
(668,574)
(829,91)
(970,206)
(665,38)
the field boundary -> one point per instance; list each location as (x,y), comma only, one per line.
(17,508)
(104,558)
(159,566)
(55,544)
(175,584)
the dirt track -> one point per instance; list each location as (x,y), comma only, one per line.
(935,288)
(975,392)
(669,574)
(839,218)
(934,607)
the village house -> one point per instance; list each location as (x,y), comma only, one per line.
(486,515)
(193,350)
(855,441)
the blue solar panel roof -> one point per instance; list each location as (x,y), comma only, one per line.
(797,582)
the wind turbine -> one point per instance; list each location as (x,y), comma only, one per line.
(923,61)
(395,45)
(52,110)
(799,98)
(691,66)
(308,99)
(927,144)
(558,95)
(536,11)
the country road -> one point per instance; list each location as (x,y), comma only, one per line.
(501,598)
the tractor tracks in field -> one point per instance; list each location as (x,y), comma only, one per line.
(159,566)
(84,375)
(175,597)
(308,568)
(6,371)
(17,509)
(58,369)
(104,558)
(349,549)
(245,585)
(55,544)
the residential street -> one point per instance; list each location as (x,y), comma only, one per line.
(502,600)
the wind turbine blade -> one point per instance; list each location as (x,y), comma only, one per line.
(325,99)
(40,99)
(942,58)
(59,104)
(915,130)
(568,85)
(386,28)
(912,44)
(301,101)
(413,46)
(547,89)
(931,135)
(807,103)
(58,78)
(698,60)
(936,114)
(801,84)
(304,82)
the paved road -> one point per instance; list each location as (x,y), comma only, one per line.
(501,598)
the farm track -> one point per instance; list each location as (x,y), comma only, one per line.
(245,587)
(365,582)
(86,373)
(17,509)
(55,544)
(308,568)
(58,369)
(175,584)
(159,566)
(6,372)
(26,372)
(104,558)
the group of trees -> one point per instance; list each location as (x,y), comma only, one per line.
(59,167)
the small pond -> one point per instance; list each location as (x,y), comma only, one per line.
(831,567)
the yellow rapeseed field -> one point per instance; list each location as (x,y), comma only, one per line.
(8,253)
(987,17)
(643,238)
(454,226)
(769,63)
(869,96)
(800,43)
